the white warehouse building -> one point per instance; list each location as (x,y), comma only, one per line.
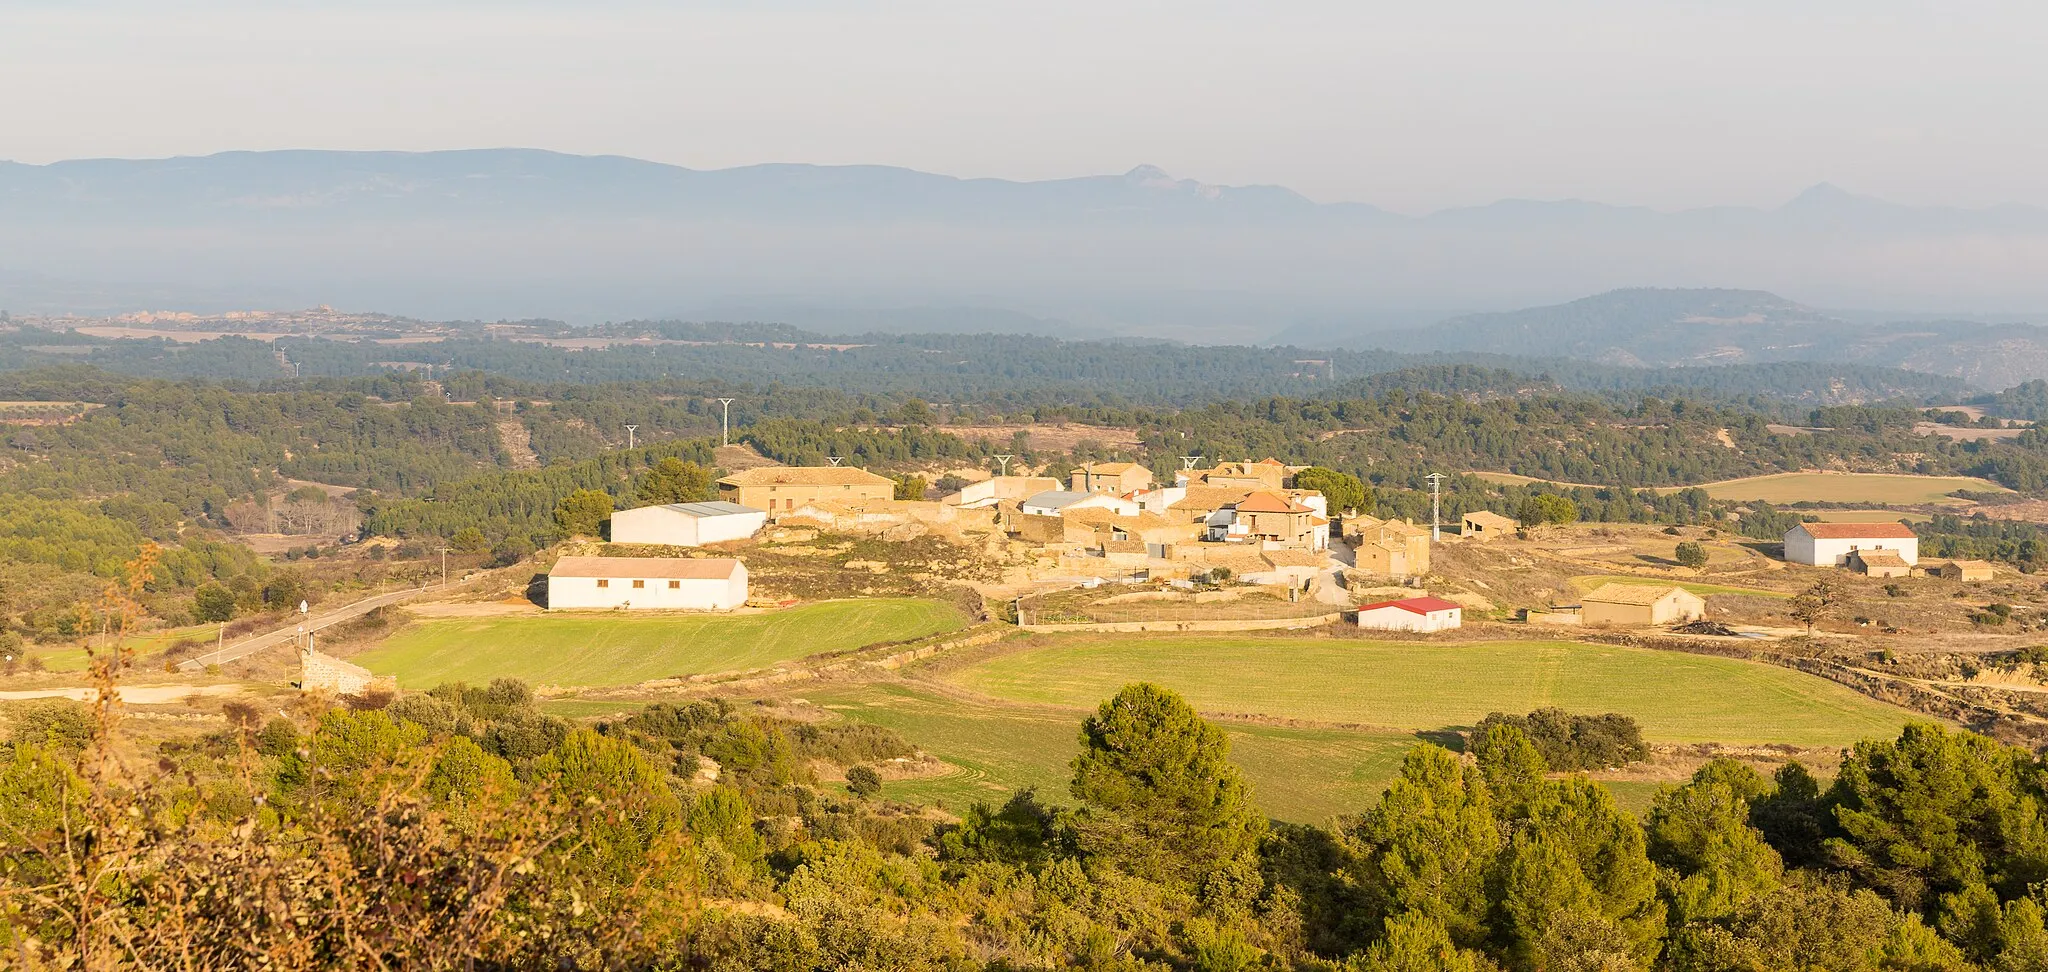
(687,524)
(1830,544)
(647,583)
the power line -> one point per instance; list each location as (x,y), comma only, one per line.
(1436,509)
(725,424)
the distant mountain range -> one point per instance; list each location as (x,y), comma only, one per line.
(310,188)
(520,233)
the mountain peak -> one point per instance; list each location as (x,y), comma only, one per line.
(1148,173)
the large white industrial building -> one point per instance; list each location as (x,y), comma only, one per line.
(647,583)
(687,524)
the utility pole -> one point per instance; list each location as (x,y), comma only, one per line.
(630,429)
(1436,506)
(444,567)
(1188,462)
(1005,460)
(835,460)
(725,423)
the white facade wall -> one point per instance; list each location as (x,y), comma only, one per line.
(681,528)
(1392,618)
(1803,548)
(654,594)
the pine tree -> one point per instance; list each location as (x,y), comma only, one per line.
(1430,845)
(1162,798)
(674,481)
(584,512)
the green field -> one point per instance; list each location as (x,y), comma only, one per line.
(1816,487)
(1306,775)
(1866,516)
(623,649)
(1848,488)
(1587,582)
(1429,686)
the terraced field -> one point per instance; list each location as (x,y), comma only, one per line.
(1424,686)
(623,649)
(1306,775)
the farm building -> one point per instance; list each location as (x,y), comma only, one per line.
(647,583)
(1486,525)
(687,524)
(1879,563)
(1412,614)
(1830,544)
(1388,548)
(1109,477)
(1962,570)
(781,489)
(1637,605)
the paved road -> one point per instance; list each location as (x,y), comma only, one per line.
(284,635)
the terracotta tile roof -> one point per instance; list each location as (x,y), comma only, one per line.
(1208,498)
(1109,468)
(1638,594)
(1123,546)
(1488,518)
(1264,502)
(647,568)
(1858,531)
(1972,564)
(1293,558)
(806,476)
(1880,558)
(1418,605)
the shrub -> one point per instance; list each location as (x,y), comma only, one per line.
(58,723)
(1574,742)
(863,781)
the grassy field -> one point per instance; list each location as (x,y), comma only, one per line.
(1848,488)
(1867,516)
(1819,487)
(1429,686)
(1306,775)
(622,649)
(1587,582)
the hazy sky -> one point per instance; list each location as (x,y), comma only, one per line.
(1410,105)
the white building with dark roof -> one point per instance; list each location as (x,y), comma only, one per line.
(647,583)
(687,524)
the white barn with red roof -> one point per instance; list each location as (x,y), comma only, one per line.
(1420,614)
(1830,544)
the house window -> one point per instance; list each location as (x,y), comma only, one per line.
(638,584)
(675,585)
(601,582)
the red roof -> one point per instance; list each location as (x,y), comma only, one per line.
(1416,605)
(1858,531)
(1270,503)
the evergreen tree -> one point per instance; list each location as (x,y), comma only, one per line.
(1415,942)
(1161,796)
(1343,490)
(584,512)
(672,480)
(1935,812)
(1714,862)
(1430,845)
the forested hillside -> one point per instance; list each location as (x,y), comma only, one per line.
(988,370)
